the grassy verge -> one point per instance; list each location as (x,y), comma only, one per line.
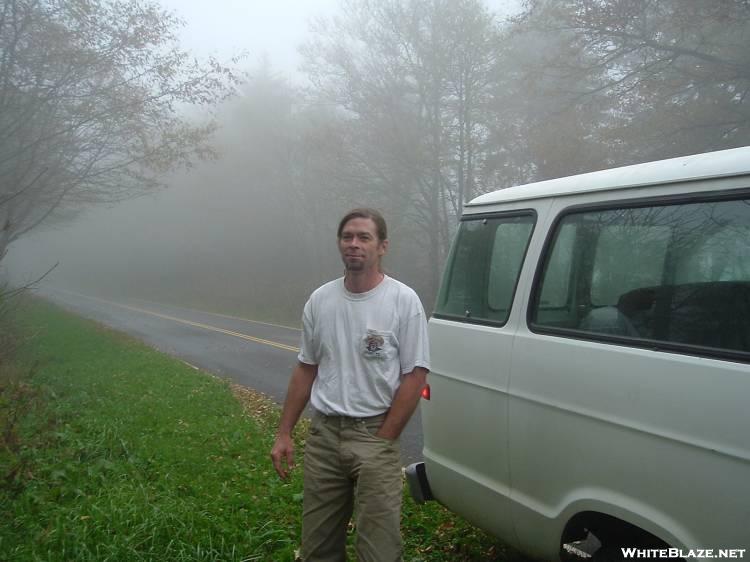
(113,451)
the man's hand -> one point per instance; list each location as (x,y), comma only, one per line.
(297,396)
(282,455)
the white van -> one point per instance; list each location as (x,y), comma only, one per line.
(590,348)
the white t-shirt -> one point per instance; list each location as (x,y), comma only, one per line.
(362,343)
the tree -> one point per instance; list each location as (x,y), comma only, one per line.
(543,127)
(676,74)
(92,100)
(411,77)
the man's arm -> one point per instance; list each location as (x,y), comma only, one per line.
(297,396)
(404,403)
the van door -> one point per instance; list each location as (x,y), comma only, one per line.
(465,420)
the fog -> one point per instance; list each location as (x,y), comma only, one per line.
(343,104)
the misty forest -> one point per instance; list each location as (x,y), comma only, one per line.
(218,184)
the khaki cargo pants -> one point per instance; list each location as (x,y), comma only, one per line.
(349,470)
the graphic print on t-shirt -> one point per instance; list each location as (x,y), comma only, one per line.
(374,344)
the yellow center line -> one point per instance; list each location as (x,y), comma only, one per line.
(204,326)
(228,316)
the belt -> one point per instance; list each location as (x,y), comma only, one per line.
(351,419)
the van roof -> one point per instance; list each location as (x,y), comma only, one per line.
(723,163)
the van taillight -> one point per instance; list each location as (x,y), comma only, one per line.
(426,392)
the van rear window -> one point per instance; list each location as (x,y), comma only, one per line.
(482,273)
(678,274)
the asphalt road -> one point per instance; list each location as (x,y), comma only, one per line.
(254,354)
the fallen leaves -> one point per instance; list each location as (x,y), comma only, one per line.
(256,404)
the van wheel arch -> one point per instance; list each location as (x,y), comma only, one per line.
(610,531)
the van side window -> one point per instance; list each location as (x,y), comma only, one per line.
(483,269)
(676,273)
(618,267)
(555,291)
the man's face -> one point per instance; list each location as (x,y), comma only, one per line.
(359,245)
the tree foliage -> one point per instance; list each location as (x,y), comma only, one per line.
(91,96)
(673,75)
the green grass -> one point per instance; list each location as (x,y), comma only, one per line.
(113,451)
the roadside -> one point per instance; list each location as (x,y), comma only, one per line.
(113,450)
(253,354)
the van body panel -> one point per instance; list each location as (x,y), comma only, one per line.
(625,434)
(478,500)
(470,395)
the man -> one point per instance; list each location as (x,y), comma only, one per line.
(363,362)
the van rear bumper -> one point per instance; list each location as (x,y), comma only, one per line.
(419,486)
